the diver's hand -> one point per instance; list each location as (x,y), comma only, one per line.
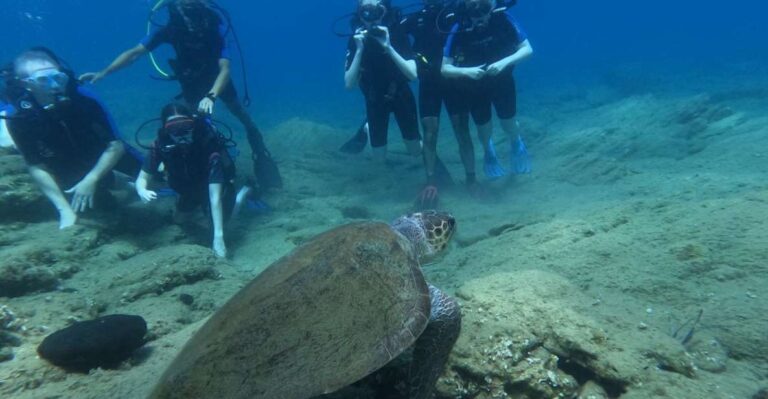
(82,195)
(206,106)
(219,247)
(67,218)
(474,73)
(384,40)
(92,77)
(496,68)
(359,39)
(146,196)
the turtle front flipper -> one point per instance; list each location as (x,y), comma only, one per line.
(432,349)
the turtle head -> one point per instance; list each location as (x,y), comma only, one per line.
(429,231)
(438,227)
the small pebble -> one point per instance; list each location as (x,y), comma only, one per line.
(187,299)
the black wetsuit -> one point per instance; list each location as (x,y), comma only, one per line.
(428,43)
(197,59)
(190,169)
(198,53)
(385,87)
(67,142)
(483,46)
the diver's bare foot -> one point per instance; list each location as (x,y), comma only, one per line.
(219,247)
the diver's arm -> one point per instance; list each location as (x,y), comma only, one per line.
(141,187)
(84,191)
(222,80)
(407,67)
(524,50)
(352,74)
(217,216)
(109,158)
(225,73)
(450,71)
(52,191)
(123,60)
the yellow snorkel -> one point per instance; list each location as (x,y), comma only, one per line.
(152,59)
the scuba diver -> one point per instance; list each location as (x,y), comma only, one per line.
(197,30)
(479,58)
(428,42)
(197,166)
(381,62)
(66,136)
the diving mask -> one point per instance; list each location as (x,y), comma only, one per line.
(180,130)
(372,13)
(479,9)
(48,86)
(48,79)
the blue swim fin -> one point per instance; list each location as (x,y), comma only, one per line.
(521,161)
(491,165)
(166,192)
(258,206)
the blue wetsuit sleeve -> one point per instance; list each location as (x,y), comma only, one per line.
(155,38)
(449,42)
(226,46)
(517,30)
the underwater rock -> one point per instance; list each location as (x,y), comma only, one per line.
(20,199)
(18,279)
(104,342)
(762,394)
(592,390)
(8,326)
(162,270)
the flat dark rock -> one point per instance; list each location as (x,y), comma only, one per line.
(104,342)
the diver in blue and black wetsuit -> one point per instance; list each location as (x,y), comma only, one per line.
(66,136)
(198,34)
(479,58)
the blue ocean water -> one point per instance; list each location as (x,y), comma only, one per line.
(295,70)
(295,63)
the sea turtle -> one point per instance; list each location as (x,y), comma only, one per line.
(333,311)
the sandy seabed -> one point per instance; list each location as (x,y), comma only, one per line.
(644,209)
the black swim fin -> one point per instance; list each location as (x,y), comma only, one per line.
(266,172)
(357,143)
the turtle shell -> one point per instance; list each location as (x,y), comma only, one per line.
(333,311)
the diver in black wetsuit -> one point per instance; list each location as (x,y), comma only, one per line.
(380,61)
(197,166)
(428,42)
(66,136)
(198,33)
